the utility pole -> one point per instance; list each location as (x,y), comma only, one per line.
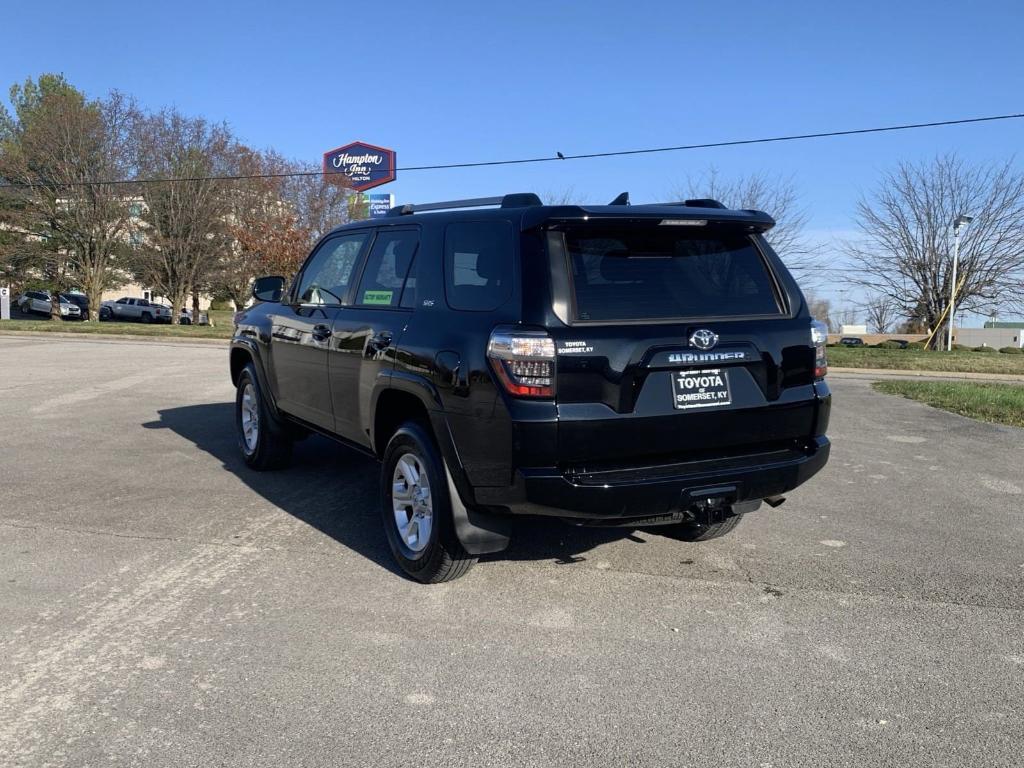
(958,223)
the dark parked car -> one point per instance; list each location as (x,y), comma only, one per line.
(608,365)
(80,300)
(852,341)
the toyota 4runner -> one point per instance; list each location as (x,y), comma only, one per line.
(607,365)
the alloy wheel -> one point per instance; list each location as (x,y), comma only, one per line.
(412,502)
(250,418)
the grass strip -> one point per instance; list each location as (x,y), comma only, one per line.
(222,328)
(996,403)
(921,360)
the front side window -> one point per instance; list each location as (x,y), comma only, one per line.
(478,265)
(662,273)
(386,268)
(327,276)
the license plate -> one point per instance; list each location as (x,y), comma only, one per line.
(705,388)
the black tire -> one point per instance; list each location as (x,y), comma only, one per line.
(146,318)
(443,557)
(272,447)
(105,313)
(696,532)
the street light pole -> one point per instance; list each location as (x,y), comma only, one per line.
(958,222)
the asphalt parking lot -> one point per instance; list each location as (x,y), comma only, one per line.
(162,606)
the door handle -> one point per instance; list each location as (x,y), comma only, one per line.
(321,332)
(378,341)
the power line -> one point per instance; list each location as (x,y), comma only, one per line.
(558,157)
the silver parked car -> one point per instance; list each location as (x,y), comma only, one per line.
(40,303)
(128,308)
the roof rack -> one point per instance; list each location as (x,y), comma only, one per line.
(515,200)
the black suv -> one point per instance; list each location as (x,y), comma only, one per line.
(608,365)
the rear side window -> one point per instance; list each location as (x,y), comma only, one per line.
(662,273)
(478,265)
(386,268)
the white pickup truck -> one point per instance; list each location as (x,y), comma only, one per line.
(135,309)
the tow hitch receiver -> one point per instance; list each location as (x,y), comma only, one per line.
(707,506)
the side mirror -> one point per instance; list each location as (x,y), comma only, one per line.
(268,288)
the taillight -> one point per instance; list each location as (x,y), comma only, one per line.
(524,362)
(819,338)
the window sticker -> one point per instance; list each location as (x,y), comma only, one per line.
(378,297)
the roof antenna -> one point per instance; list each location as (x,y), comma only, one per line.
(622,199)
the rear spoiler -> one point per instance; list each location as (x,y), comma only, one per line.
(551,217)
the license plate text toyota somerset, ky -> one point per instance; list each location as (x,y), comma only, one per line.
(700,388)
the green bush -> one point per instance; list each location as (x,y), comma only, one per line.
(961,348)
(916,345)
(988,350)
(1012,351)
(222,304)
(889,344)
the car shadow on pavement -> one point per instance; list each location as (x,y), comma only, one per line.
(327,486)
(334,489)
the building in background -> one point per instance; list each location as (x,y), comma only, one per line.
(995,337)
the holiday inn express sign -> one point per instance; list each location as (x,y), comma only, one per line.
(364,166)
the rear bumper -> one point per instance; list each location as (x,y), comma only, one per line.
(664,489)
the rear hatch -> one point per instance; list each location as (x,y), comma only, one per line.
(680,342)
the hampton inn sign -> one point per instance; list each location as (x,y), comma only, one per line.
(364,166)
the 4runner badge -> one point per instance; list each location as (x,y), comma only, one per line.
(703,339)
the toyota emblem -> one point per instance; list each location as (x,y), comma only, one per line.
(703,339)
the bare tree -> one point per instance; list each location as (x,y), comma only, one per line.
(882,313)
(820,309)
(563,196)
(60,148)
(275,218)
(257,215)
(905,251)
(776,196)
(844,315)
(319,205)
(185,221)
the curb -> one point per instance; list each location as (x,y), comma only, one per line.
(892,373)
(108,337)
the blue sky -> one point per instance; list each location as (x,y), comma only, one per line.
(453,81)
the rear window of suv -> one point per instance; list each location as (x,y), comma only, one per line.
(663,273)
(478,265)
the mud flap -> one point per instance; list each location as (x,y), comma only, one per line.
(480,533)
